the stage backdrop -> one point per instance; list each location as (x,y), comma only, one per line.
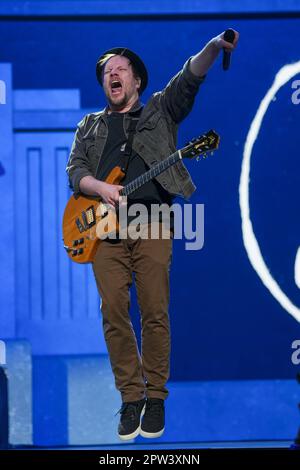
(231,318)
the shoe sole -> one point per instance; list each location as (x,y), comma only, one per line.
(151,435)
(134,434)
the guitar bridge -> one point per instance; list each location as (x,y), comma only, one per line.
(79,225)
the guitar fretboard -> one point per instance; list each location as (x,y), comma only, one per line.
(150,174)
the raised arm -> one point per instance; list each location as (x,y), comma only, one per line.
(202,62)
(178,96)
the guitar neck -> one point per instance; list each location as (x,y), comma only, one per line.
(150,174)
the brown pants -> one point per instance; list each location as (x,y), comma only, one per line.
(115,262)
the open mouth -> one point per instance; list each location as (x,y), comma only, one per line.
(116,87)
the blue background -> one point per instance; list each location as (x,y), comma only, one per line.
(225,323)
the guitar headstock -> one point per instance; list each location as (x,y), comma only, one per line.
(201,145)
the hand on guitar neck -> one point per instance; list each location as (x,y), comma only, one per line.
(109,193)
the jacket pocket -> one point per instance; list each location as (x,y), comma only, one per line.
(91,147)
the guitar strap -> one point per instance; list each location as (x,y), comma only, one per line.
(134,119)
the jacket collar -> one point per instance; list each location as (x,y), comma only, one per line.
(135,107)
(103,113)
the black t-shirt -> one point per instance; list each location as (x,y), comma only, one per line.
(151,192)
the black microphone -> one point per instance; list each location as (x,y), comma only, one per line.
(229,36)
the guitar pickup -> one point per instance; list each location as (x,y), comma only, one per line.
(88,217)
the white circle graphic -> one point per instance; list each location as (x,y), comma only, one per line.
(249,239)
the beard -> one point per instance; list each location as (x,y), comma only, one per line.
(118,102)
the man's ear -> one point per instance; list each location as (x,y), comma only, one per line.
(139,81)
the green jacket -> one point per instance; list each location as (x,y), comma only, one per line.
(154,140)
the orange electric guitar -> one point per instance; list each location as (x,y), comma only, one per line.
(87,219)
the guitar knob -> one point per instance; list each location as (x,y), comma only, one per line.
(78,242)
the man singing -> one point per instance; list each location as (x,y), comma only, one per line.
(140,135)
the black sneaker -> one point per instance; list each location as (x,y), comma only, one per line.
(153,424)
(130,421)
